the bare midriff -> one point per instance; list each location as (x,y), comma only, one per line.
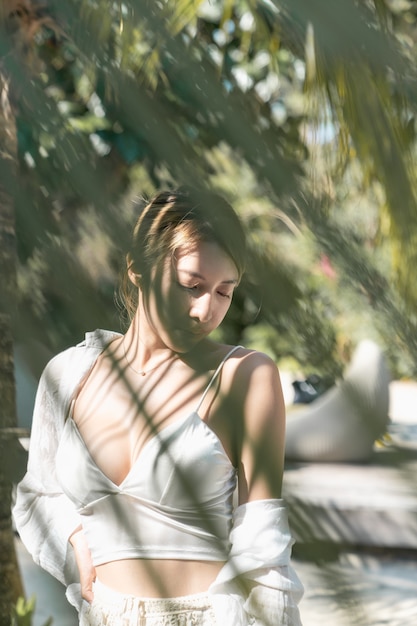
(158,578)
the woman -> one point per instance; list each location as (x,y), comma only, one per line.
(142,442)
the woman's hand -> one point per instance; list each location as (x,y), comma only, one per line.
(85,564)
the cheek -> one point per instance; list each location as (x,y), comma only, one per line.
(177,305)
(223,309)
(171,300)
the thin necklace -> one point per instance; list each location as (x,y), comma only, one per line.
(146,371)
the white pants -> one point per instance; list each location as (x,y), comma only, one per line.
(111,608)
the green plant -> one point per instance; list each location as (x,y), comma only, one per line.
(23,611)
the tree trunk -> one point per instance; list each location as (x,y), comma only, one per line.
(10,582)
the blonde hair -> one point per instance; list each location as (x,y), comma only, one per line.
(173,219)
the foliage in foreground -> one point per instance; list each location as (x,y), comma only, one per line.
(113,104)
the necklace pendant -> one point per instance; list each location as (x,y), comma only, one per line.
(144,372)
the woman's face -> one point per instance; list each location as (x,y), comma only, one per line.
(190,297)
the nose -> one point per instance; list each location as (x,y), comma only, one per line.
(201,308)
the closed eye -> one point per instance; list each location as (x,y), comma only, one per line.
(194,289)
(191,288)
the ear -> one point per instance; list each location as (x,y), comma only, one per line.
(134,277)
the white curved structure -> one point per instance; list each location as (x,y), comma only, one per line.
(343,424)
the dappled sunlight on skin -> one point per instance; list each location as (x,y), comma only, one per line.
(119,371)
(188,297)
(156,571)
(141,397)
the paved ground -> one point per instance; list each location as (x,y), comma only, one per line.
(367,586)
(360,590)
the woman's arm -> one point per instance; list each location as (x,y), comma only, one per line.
(257,583)
(263,429)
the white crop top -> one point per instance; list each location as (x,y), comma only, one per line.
(175,503)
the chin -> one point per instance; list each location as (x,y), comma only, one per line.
(185,342)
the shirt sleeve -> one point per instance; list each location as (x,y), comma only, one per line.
(44,517)
(257,585)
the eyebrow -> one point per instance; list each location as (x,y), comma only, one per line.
(232,281)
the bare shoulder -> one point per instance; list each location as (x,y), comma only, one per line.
(242,369)
(249,363)
(251,372)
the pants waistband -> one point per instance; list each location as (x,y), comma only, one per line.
(108,596)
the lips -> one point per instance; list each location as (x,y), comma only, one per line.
(189,334)
(195,333)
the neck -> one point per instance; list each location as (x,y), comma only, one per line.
(142,351)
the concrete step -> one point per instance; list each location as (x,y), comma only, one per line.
(374,504)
